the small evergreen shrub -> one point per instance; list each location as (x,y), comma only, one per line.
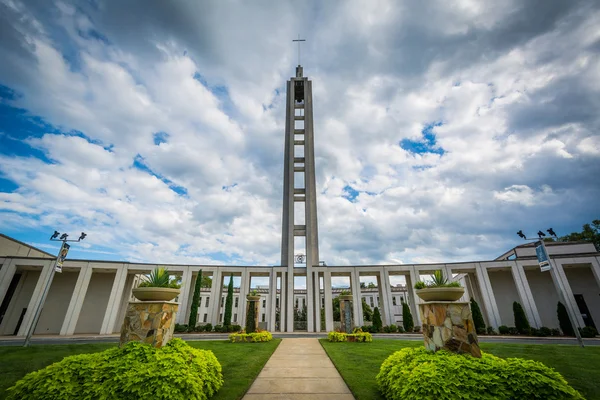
(390,329)
(416,373)
(336,336)
(195,300)
(588,332)
(513,331)
(490,330)
(521,322)
(554,332)
(208,328)
(563,320)
(545,331)
(364,337)
(401,329)
(503,330)
(253,337)
(250,319)
(377,324)
(481,331)
(219,328)
(180,328)
(417,329)
(407,319)
(477,316)
(175,371)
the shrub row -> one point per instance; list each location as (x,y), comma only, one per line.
(253,337)
(389,329)
(349,337)
(207,328)
(416,373)
(175,371)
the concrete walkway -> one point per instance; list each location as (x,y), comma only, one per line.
(299,370)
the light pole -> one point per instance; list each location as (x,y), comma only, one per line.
(547,264)
(60,258)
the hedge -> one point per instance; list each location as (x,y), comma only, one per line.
(175,371)
(416,373)
(251,337)
(349,337)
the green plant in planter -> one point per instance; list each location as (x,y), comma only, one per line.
(160,278)
(420,285)
(254,292)
(438,280)
(345,293)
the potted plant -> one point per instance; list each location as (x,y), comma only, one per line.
(158,286)
(253,296)
(439,289)
(345,295)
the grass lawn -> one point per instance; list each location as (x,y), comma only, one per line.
(241,362)
(359,363)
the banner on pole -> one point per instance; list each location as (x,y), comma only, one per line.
(542,257)
(64,250)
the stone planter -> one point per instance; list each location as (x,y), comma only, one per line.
(150,322)
(253,298)
(441,293)
(346,297)
(155,293)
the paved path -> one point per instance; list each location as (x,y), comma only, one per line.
(299,370)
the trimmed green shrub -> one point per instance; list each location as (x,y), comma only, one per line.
(417,329)
(368,328)
(513,331)
(367,311)
(228,303)
(175,371)
(208,327)
(377,324)
(563,320)
(253,337)
(401,329)
(364,337)
(390,329)
(490,330)
(336,336)
(521,322)
(503,330)
(180,328)
(407,319)
(545,331)
(554,332)
(588,332)
(195,301)
(416,373)
(219,328)
(477,316)
(250,318)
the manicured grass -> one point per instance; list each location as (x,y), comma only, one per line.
(241,362)
(359,363)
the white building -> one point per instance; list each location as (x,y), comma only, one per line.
(89,297)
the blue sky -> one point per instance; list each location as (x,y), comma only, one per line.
(158,129)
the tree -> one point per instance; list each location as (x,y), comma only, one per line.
(590,233)
(367,311)
(407,319)
(250,318)
(336,309)
(228,303)
(195,301)
(206,282)
(377,324)
(477,317)
(521,322)
(564,321)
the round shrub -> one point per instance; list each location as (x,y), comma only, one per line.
(503,329)
(175,371)
(416,373)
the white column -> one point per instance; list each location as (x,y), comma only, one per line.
(568,292)
(36,297)
(414,301)
(186,283)
(525,294)
(328,301)
(271,304)
(310,299)
(488,296)
(356,297)
(215,297)
(596,269)
(6,275)
(114,301)
(283,303)
(289,312)
(385,291)
(244,290)
(317,300)
(77,299)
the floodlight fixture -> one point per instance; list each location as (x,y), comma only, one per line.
(64,236)
(521,235)
(83,235)
(54,235)
(541,234)
(551,232)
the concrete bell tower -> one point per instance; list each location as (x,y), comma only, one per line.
(300,237)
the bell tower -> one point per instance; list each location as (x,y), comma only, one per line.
(300,236)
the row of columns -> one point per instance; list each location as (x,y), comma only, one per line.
(121,289)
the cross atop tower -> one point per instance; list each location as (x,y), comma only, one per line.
(299,40)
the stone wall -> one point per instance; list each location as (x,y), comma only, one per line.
(449,326)
(149,322)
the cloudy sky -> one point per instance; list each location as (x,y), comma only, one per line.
(441,127)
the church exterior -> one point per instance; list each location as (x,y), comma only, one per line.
(90,297)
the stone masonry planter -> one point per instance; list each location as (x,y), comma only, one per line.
(155,293)
(253,298)
(441,293)
(346,297)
